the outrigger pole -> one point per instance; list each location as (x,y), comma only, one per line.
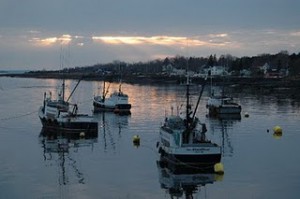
(198,101)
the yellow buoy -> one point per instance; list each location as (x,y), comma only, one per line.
(219,168)
(136,140)
(277,130)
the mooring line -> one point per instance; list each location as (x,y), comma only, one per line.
(17,116)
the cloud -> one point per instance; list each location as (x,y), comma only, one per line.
(296,34)
(218,35)
(157,40)
(49,41)
(39,48)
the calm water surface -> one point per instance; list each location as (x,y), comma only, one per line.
(257,164)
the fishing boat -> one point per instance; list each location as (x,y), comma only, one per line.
(59,115)
(222,104)
(117,102)
(183,141)
(218,105)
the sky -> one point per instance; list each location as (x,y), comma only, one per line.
(50,34)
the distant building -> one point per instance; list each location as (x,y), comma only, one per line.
(168,68)
(172,71)
(273,71)
(265,68)
(216,71)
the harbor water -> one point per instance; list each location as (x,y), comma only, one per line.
(257,163)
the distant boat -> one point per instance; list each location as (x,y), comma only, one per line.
(218,105)
(182,138)
(222,104)
(57,115)
(117,102)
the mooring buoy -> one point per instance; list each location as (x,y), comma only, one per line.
(136,140)
(246,114)
(277,130)
(219,168)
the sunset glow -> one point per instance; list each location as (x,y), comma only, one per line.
(155,40)
(62,40)
(33,32)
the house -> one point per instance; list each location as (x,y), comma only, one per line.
(275,72)
(172,71)
(168,68)
(265,68)
(216,71)
(178,72)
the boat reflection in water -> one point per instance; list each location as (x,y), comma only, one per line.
(226,116)
(111,126)
(185,182)
(59,147)
(224,124)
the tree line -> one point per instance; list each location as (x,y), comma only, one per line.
(281,60)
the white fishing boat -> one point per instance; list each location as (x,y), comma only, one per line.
(222,105)
(117,102)
(59,115)
(182,139)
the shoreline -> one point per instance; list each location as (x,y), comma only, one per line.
(161,79)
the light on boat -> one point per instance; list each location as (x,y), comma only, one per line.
(219,168)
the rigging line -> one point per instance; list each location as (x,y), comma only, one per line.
(20,129)
(18,116)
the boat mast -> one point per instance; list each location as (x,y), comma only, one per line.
(61,68)
(120,78)
(63,90)
(188,119)
(103,91)
(210,74)
(223,84)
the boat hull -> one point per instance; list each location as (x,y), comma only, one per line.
(199,155)
(222,105)
(88,128)
(215,110)
(192,159)
(79,124)
(119,108)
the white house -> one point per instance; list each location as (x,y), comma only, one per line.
(265,68)
(172,71)
(216,70)
(167,68)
